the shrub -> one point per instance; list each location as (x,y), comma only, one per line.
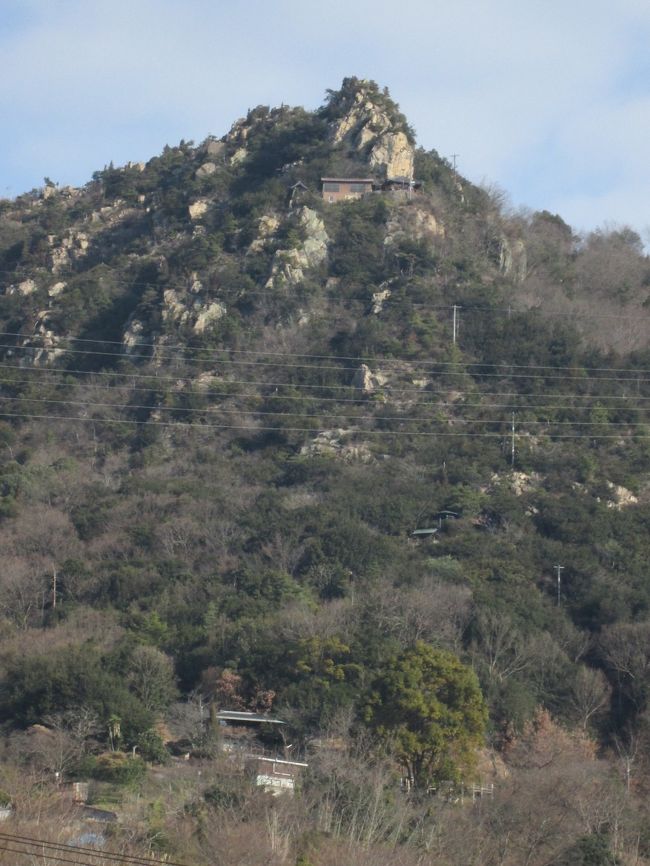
(118,768)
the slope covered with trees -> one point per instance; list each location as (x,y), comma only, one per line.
(226,405)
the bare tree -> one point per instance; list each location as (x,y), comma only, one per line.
(626,648)
(590,693)
(500,645)
(627,748)
(42,537)
(23,590)
(58,746)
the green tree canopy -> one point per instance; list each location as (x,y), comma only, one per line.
(428,706)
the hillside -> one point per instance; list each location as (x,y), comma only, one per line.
(227,405)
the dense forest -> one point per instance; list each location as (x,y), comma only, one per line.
(377,468)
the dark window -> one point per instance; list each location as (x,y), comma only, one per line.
(359,187)
(331,187)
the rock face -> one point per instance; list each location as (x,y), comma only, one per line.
(392,150)
(289,266)
(236,140)
(238,156)
(208,315)
(73,246)
(621,497)
(329,443)
(367,381)
(134,337)
(24,288)
(116,213)
(519,482)
(378,299)
(367,128)
(266,229)
(213,147)
(192,308)
(206,169)
(56,289)
(413,224)
(44,346)
(513,259)
(198,209)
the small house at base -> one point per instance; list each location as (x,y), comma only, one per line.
(277,776)
(345,188)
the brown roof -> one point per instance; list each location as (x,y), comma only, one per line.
(347,180)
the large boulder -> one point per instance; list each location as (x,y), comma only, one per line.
(198,209)
(206,169)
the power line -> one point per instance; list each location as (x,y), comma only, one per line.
(225,394)
(595,398)
(181,426)
(298,385)
(45,856)
(376,359)
(440,404)
(358,417)
(107,855)
(503,374)
(456,404)
(254,429)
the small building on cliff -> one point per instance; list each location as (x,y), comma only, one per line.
(346,188)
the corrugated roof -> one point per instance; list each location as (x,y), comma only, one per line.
(243,716)
(280,761)
(347,180)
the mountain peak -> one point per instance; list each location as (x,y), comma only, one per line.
(371,125)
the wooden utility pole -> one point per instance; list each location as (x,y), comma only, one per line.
(559,569)
(512,448)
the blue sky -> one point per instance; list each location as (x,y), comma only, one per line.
(547,99)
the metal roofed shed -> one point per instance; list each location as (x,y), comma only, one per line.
(445,514)
(401,184)
(423,533)
(243,729)
(246,718)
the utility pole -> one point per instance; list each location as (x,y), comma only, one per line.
(455,327)
(454,156)
(559,569)
(512,449)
